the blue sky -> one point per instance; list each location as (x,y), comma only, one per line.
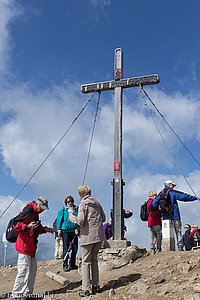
(48,49)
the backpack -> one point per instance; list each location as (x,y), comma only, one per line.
(55,225)
(11,233)
(143,212)
(197,235)
(164,202)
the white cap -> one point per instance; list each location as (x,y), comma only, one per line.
(167,182)
(43,202)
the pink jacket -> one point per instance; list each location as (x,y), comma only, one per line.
(154,217)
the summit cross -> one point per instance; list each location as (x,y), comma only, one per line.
(118,84)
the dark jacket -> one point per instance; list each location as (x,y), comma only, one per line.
(187,241)
(174,195)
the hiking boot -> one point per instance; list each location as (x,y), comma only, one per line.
(74,267)
(95,289)
(180,248)
(84,293)
(158,251)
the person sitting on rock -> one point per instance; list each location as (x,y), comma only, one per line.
(154,223)
(187,240)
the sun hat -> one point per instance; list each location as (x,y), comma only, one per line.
(43,202)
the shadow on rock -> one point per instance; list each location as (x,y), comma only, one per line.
(121,281)
(69,286)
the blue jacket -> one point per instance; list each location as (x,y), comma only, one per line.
(174,195)
(63,222)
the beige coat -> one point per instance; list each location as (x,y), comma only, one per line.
(90,218)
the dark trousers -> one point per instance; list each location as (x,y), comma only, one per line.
(67,239)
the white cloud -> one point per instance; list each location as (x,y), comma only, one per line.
(16,208)
(141,138)
(9,10)
(102,3)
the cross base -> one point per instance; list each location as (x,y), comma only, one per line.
(117,244)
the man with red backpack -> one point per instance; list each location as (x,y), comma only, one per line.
(154,223)
(29,228)
(171,209)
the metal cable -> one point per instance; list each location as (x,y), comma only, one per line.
(90,145)
(56,145)
(170,126)
(145,103)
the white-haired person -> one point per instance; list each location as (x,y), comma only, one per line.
(90,218)
(172,212)
(155,225)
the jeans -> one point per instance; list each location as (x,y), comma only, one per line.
(67,239)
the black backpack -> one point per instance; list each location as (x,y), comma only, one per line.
(164,202)
(197,235)
(143,212)
(11,233)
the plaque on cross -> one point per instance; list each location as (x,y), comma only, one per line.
(118,84)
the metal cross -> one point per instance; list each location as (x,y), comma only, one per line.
(118,84)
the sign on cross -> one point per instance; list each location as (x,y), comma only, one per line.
(118,84)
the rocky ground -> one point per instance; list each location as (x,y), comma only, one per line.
(167,275)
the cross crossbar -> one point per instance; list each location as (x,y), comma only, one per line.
(124,83)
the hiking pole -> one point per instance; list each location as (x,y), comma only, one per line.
(66,254)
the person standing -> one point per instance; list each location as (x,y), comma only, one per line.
(90,218)
(187,240)
(29,229)
(193,235)
(173,213)
(108,229)
(154,223)
(69,233)
(58,243)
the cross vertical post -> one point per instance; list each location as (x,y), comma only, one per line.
(118,84)
(117,220)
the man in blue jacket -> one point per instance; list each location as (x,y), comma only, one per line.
(174,213)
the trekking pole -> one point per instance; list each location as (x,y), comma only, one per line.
(66,254)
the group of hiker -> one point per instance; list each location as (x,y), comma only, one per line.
(86,222)
(165,206)
(191,237)
(88,218)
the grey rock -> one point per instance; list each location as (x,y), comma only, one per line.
(111,292)
(197,288)
(138,288)
(158,278)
